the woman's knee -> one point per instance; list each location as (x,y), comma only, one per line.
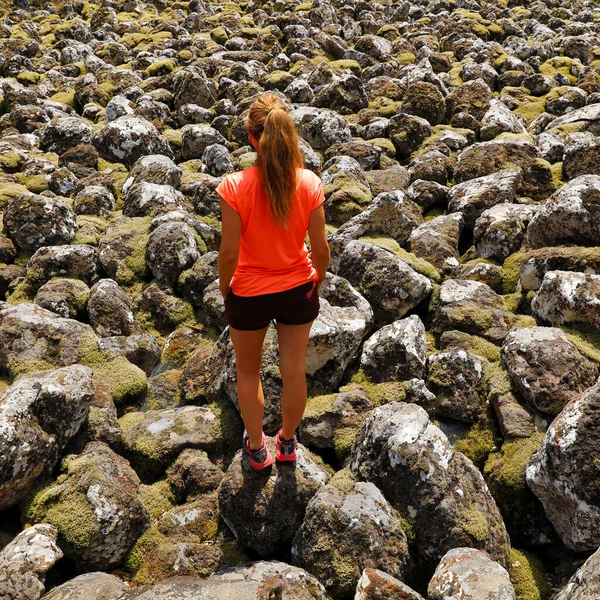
(293,374)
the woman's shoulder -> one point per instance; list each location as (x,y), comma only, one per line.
(309,178)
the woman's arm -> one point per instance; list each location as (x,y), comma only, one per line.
(231,229)
(318,243)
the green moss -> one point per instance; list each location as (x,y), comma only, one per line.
(482,318)
(416,263)
(587,342)
(157,498)
(511,272)
(70,513)
(527,576)
(125,379)
(484,348)
(161,67)
(525,321)
(481,439)
(24,291)
(557,174)
(474,523)
(67,98)
(28,77)
(89,230)
(343,479)
(319,405)
(21,366)
(439,376)
(343,439)
(34,183)
(10,162)
(505,470)
(497,379)
(379,393)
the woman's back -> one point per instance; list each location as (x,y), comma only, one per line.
(272,257)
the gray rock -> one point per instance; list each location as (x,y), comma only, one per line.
(390,285)
(457,381)
(436,241)
(217,159)
(357,528)
(65,297)
(500,231)
(32,221)
(127,138)
(472,307)
(546,368)
(570,216)
(153,439)
(62,133)
(469,574)
(100,487)
(499,119)
(109,310)
(94,200)
(396,351)
(39,414)
(475,196)
(585,583)
(375,584)
(568,297)
(141,350)
(195,139)
(171,249)
(411,461)
(73,260)
(265,509)
(570,496)
(154,168)
(146,198)
(89,586)
(25,561)
(247,581)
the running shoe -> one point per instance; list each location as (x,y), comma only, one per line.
(286,449)
(261,458)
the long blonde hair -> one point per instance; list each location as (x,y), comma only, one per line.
(278,154)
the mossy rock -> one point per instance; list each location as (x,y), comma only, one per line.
(481,440)
(157,498)
(587,342)
(379,393)
(416,263)
(161,67)
(512,272)
(67,98)
(34,183)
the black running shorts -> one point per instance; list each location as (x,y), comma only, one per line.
(290,307)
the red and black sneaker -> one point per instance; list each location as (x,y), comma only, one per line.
(261,458)
(286,449)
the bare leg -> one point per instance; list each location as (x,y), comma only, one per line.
(293,340)
(248,358)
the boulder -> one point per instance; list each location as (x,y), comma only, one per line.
(436,241)
(486,158)
(171,249)
(195,139)
(32,221)
(94,200)
(89,586)
(63,133)
(146,198)
(585,583)
(400,450)
(536,263)
(569,217)
(127,138)
(51,407)
(546,369)
(581,155)
(570,495)
(568,297)
(25,561)
(265,509)
(470,573)
(109,310)
(375,584)
(272,578)
(500,231)
(396,351)
(474,196)
(78,261)
(457,381)
(154,168)
(344,532)
(499,119)
(65,297)
(153,439)
(472,307)
(96,507)
(390,285)
(193,473)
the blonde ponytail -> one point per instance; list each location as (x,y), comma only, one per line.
(278,154)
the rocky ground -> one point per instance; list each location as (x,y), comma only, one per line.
(451,442)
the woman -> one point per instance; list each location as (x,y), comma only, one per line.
(266,273)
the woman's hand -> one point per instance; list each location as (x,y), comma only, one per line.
(224,289)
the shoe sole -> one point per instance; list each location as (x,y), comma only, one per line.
(261,466)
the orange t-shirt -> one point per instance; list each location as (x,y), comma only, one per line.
(272,258)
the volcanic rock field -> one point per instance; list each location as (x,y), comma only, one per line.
(450,448)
